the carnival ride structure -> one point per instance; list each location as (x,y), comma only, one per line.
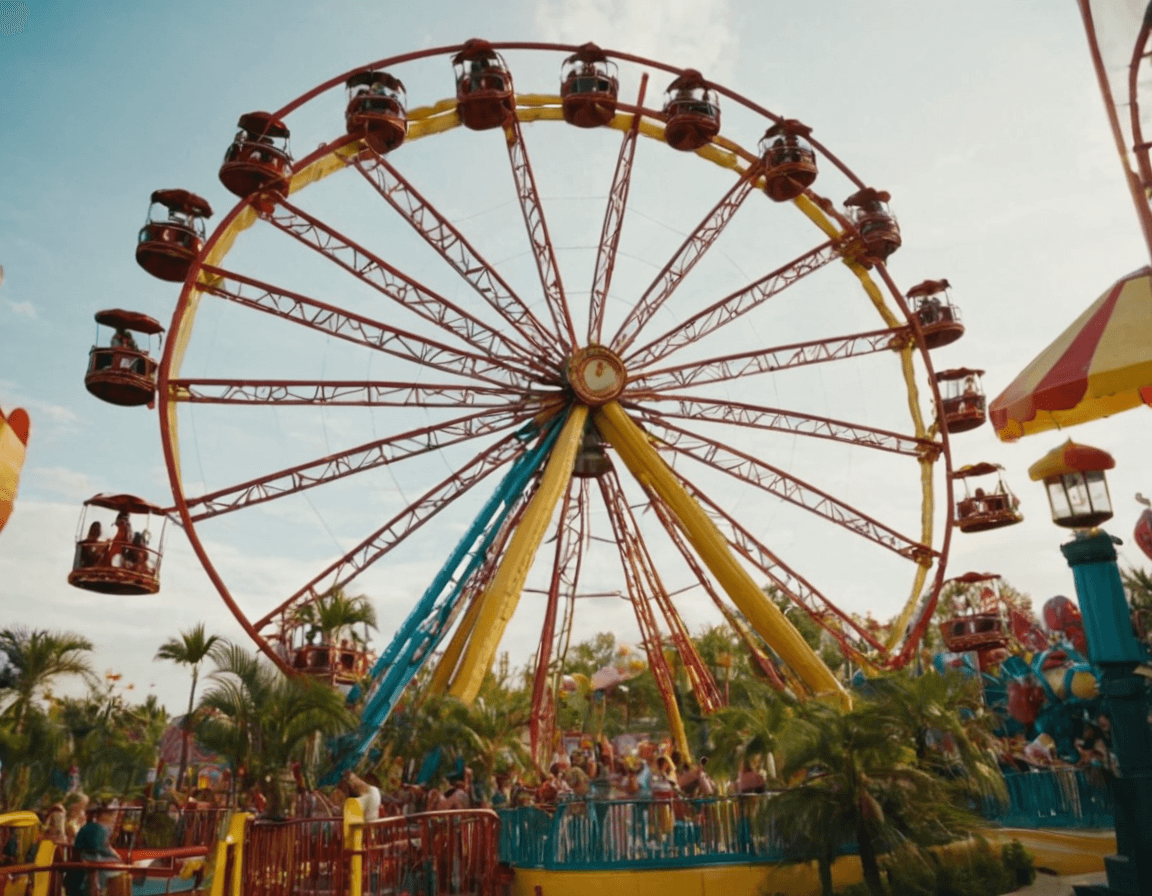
(688,363)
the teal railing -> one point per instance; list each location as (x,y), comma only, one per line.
(647,833)
(1058,798)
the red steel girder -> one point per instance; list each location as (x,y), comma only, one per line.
(375,454)
(737,413)
(613,222)
(690,252)
(633,546)
(728,309)
(755,472)
(403,524)
(801,592)
(741,628)
(460,255)
(360,393)
(640,599)
(570,543)
(768,360)
(403,290)
(542,249)
(361,330)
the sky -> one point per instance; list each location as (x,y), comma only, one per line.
(983,120)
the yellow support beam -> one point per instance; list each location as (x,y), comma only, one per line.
(632,444)
(503,593)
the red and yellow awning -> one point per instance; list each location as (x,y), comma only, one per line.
(1099,366)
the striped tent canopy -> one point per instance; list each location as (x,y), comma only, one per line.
(1099,366)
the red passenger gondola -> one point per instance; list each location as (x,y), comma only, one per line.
(962,399)
(879,232)
(376,110)
(124,560)
(484,97)
(979,511)
(691,112)
(789,160)
(171,239)
(258,159)
(983,628)
(122,372)
(588,87)
(939,319)
(339,665)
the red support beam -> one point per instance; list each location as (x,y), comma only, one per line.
(460,255)
(723,312)
(677,268)
(689,407)
(614,222)
(542,249)
(373,455)
(356,328)
(403,524)
(354,393)
(400,288)
(755,472)
(767,360)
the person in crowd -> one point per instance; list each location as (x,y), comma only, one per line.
(53,827)
(366,794)
(93,844)
(75,814)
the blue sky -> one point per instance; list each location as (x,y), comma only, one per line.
(982,119)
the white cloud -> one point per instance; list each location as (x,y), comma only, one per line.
(22,309)
(684,33)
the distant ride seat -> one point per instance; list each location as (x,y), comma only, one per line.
(121,373)
(588,88)
(376,110)
(939,319)
(484,97)
(879,232)
(171,239)
(789,160)
(691,112)
(258,160)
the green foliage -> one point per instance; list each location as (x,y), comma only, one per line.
(1019,862)
(335,616)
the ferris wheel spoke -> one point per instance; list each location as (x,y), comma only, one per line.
(355,328)
(690,252)
(728,309)
(664,515)
(614,222)
(339,393)
(542,249)
(571,537)
(403,524)
(776,482)
(767,360)
(703,684)
(847,632)
(639,589)
(379,453)
(390,282)
(689,407)
(447,240)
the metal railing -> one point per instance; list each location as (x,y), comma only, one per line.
(442,853)
(641,833)
(1055,798)
(297,856)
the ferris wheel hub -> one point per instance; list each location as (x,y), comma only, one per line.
(596,374)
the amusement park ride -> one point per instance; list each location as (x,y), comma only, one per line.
(604,435)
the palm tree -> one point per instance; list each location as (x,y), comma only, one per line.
(749,727)
(863,783)
(335,615)
(190,649)
(34,659)
(262,720)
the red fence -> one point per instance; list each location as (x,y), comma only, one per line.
(441,853)
(299,857)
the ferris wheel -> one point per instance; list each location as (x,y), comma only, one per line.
(495,352)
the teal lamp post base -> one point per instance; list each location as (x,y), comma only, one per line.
(1113,647)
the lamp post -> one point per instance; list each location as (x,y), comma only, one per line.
(1078,495)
